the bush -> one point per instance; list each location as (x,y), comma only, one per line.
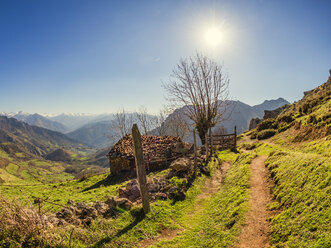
(284,128)
(265,134)
(285,118)
(267,124)
(312,119)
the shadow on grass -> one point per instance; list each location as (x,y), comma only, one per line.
(137,214)
(110,180)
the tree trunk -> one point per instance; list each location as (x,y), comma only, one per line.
(202,134)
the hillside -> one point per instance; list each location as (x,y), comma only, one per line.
(97,135)
(239,114)
(273,192)
(76,121)
(40,121)
(298,145)
(32,139)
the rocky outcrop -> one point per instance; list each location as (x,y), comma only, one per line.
(254,122)
(273,113)
(173,185)
(82,214)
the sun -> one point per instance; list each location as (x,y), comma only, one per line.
(213,36)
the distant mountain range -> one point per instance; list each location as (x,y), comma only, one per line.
(64,123)
(98,134)
(238,114)
(94,130)
(41,121)
(21,137)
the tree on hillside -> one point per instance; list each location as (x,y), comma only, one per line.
(122,123)
(145,120)
(178,125)
(159,123)
(200,84)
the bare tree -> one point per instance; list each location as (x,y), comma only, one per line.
(178,125)
(145,120)
(122,123)
(159,123)
(200,84)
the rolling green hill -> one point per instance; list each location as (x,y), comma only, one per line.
(296,151)
(31,139)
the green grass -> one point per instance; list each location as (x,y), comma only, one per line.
(302,192)
(24,171)
(217,222)
(302,176)
(130,227)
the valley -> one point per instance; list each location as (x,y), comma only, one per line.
(274,191)
(165,124)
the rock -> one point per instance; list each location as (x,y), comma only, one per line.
(160,196)
(111,202)
(181,164)
(65,214)
(101,207)
(81,205)
(131,191)
(153,187)
(87,221)
(123,203)
(204,170)
(173,189)
(176,194)
(253,123)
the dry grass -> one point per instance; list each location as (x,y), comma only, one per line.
(25,226)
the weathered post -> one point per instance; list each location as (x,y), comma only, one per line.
(195,153)
(207,148)
(211,142)
(140,167)
(235,137)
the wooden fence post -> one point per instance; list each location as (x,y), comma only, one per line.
(195,153)
(211,142)
(207,148)
(140,167)
(235,137)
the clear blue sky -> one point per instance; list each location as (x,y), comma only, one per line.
(100,55)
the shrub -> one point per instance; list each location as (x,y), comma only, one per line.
(285,118)
(265,134)
(312,119)
(22,226)
(267,124)
(284,128)
(178,182)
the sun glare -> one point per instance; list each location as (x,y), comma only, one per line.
(213,36)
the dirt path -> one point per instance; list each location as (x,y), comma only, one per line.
(215,182)
(211,187)
(255,232)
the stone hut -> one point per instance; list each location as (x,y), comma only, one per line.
(158,153)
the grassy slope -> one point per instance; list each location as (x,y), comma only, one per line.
(300,165)
(20,170)
(301,195)
(129,228)
(218,224)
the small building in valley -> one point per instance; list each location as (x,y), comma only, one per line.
(158,152)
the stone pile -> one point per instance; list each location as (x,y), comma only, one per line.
(82,214)
(162,188)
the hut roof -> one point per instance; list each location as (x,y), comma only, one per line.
(154,147)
